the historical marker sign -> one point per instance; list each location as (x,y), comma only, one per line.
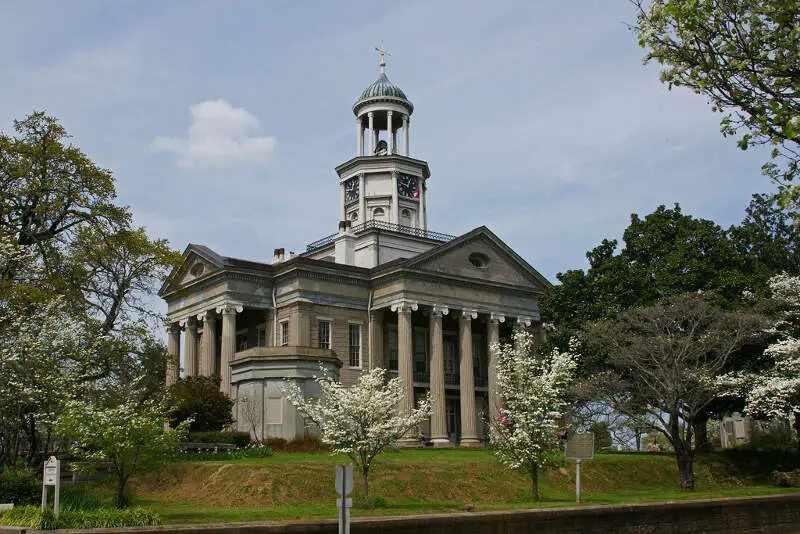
(52,477)
(344,487)
(580,446)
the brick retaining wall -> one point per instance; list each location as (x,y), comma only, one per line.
(747,515)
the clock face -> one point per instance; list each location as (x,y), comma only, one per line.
(351,190)
(407,186)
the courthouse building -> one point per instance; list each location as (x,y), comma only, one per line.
(383,291)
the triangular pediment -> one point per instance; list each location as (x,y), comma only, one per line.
(198,262)
(480,255)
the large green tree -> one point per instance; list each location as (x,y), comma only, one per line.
(75,245)
(744,57)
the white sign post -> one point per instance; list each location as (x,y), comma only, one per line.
(580,446)
(52,477)
(344,487)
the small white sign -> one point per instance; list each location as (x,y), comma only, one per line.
(344,479)
(6,507)
(51,472)
(52,478)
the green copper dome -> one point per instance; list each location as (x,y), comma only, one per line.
(381,89)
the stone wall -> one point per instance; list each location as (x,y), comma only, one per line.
(748,515)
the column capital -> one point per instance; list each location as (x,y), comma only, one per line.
(389,113)
(523,321)
(405,306)
(439,310)
(497,318)
(174,327)
(230,307)
(469,315)
(187,321)
(370,114)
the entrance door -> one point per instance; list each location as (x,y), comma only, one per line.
(452,414)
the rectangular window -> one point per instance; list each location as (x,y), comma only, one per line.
(241,339)
(324,334)
(355,345)
(284,333)
(420,355)
(391,339)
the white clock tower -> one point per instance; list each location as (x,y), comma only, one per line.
(383,183)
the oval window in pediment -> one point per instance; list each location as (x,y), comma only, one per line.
(197,270)
(479,260)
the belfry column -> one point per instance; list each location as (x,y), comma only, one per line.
(190,350)
(342,212)
(438,418)
(229,312)
(469,436)
(371,122)
(394,212)
(173,353)
(405,360)
(493,338)
(406,124)
(422,204)
(360,146)
(389,131)
(209,343)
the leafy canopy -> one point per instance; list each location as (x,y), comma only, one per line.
(744,56)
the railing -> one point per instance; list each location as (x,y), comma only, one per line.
(422,377)
(319,243)
(452,379)
(481,381)
(382,225)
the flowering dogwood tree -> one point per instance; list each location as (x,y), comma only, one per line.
(525,434)
(362,420)
(129,438)
(775,390)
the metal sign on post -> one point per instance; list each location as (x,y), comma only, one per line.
(344,487)
(580,446)
(52,477)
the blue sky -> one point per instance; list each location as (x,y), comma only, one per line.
(223,121)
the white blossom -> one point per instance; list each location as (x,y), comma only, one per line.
(361,420)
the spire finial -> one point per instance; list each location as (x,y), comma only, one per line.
(383,53)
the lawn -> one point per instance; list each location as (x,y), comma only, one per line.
(298,486)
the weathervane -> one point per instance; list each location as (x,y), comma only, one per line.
(382,52)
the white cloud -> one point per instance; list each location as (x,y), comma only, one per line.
(220,135)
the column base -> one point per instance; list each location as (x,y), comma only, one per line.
(470,443)
(442,443)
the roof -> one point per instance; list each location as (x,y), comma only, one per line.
(382,89)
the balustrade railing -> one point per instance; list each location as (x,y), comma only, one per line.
(383,225)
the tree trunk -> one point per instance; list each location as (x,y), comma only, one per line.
(365,483)
(701,433)
(686,469)
(535,483)
(122,498)
(796,425)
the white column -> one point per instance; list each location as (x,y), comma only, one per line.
(362,200)
(438,416)
(371,127)
(190,349)
(406,125)
(394,211)
(360,146)
(209,343)
(469,435)
(390,131)
(423,192)
(405,362)
(342,213)
(173,353)
(228,351)
(493,339)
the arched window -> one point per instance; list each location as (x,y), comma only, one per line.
(405,217)
(379,214)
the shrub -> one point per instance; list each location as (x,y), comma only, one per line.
(34,517)
(20,487)
(240,439)
(276,444)
(200,398)
(249,452)
(307,444)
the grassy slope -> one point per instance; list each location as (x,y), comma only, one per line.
(291,486)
